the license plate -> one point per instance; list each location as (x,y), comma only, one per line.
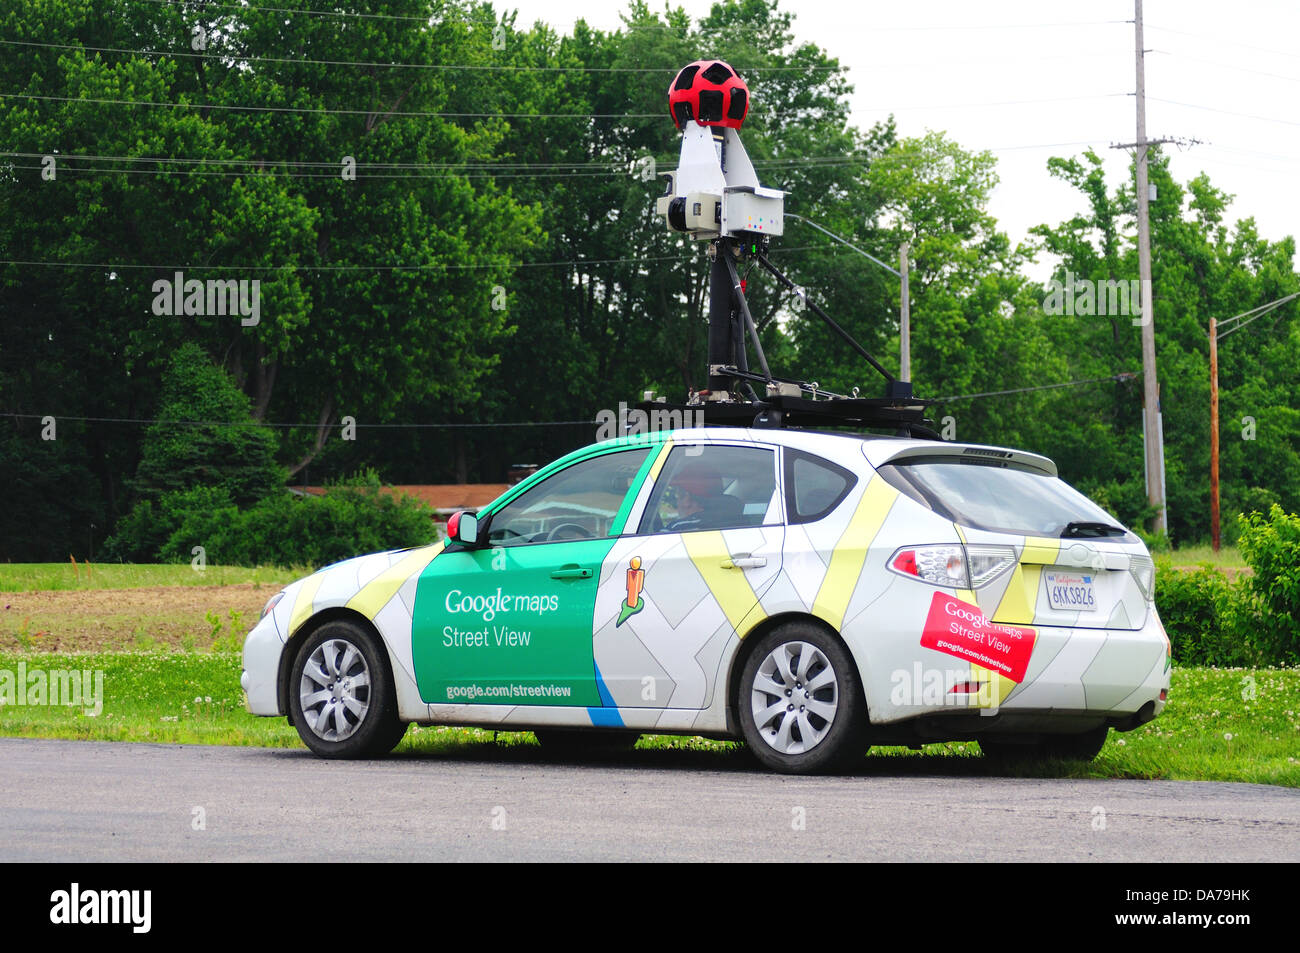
(1071,591)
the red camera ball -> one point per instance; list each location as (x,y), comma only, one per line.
(710,92)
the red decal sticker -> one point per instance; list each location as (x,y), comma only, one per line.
(959,628)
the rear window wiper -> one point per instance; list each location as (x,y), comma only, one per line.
(1086,528)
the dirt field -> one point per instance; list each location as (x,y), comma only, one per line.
(150,617)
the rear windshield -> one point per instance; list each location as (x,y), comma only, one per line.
(997,496)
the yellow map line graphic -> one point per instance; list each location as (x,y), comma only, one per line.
(376,593)
(729,586)
(659,463)
(850,552)
(302,605)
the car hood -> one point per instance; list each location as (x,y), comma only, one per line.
(363,583)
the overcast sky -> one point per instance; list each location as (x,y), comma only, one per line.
(1016,76)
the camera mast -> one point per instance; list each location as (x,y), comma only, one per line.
(714,196)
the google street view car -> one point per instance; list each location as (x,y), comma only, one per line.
(810,593)
(774,574)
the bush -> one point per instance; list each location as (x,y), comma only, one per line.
(1202,614)
(143,533)
(1212,619)
(1155,542)
(284,529)
(1271,547)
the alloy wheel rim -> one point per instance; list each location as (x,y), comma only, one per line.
(794,697)
(335,690)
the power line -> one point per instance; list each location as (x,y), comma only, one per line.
(1219,41)
(1252,315)
(378,111)
(237,57)
(316,425)
(335,174)
(581,262)
(1236,69)
(318,164)
(1114,378)
(1005,102)
(845,242)
(615,164)
(124,267)
(642,26)
(993,26)
(1225,112)
(71,163)
(600,171)
(313,425)
(306,11)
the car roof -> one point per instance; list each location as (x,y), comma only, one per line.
(878,449)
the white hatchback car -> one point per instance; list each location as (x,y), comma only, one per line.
(810,593)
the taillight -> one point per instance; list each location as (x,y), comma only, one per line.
(1143,571)
(943,565)
(952,565)
(986,563)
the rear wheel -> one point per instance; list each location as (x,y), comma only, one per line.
(341,694)
(800,704)
(1078,747)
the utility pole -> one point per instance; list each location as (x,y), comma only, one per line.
(1154,449)
(904,319)
(1152,431)
(1214,434)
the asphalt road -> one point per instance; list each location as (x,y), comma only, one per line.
(92,801)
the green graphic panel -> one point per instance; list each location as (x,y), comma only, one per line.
(509,625)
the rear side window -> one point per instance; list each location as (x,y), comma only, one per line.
(995,496)
(813,486)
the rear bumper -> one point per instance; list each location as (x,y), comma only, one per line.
(1121,674)
(1076,679)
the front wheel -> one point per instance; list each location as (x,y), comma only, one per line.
(800,703)
(341,694)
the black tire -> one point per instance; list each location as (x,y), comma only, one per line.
(571,742)
(357,720)
(779,743)
(1077,747)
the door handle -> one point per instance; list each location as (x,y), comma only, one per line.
(744,561)
(571,572)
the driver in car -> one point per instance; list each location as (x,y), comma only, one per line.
(698,489)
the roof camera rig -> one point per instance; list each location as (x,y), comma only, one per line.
(714,195)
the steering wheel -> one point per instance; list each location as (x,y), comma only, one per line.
(569,531)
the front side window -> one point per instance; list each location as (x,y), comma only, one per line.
(579,502)
(713,487)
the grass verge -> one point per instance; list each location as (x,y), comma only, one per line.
(1220,725)
(26,577)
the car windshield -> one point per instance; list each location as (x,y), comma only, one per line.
(1001,497)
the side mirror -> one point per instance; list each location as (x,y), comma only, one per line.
(463,528)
